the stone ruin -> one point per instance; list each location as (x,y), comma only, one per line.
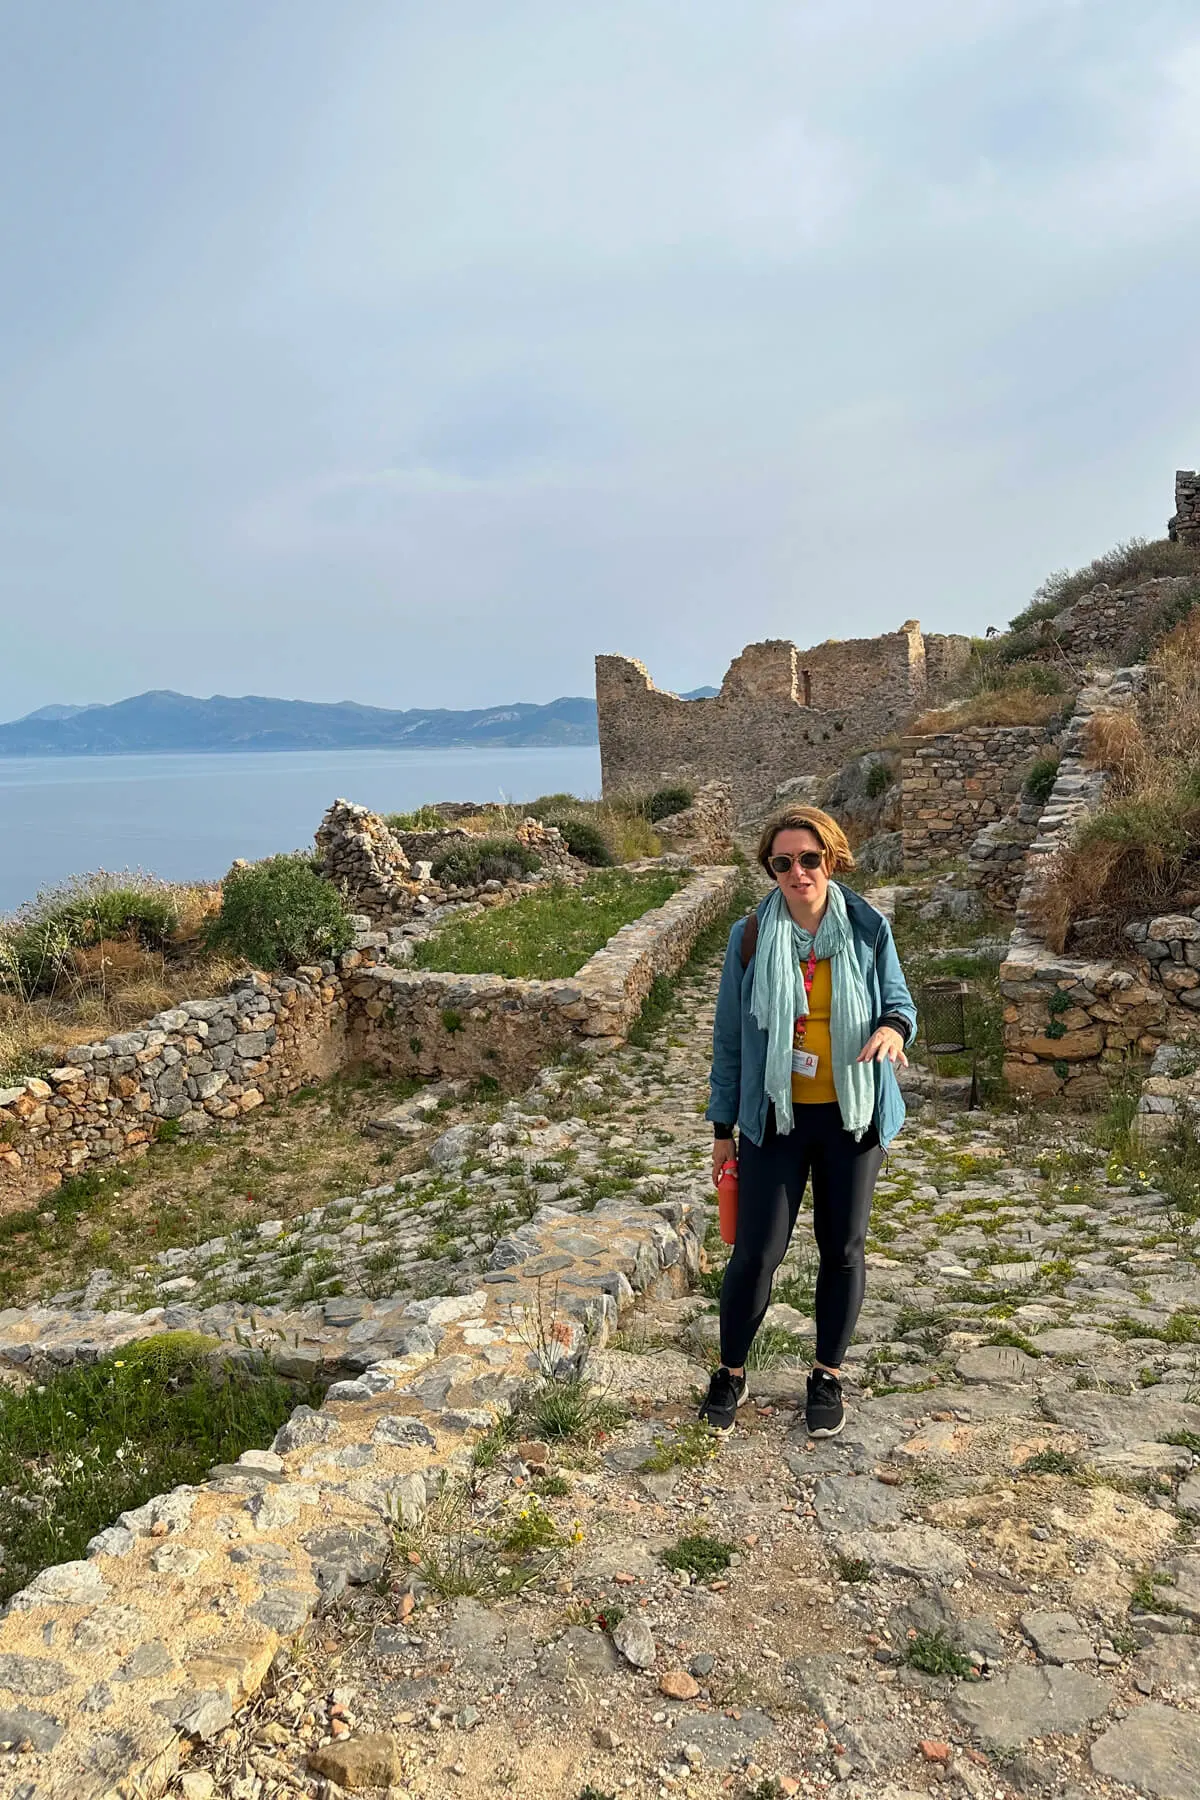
(360,854)
(386,874)
(781,712)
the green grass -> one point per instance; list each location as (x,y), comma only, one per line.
(549,935)
(95,1441)
(569,1410)
(702,1556)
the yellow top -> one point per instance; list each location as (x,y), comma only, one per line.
(820,1090)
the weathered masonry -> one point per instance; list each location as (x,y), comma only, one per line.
(781,712)
(1184,528)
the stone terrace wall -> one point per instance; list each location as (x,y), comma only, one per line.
(108,1664)
(955,782)
(208,1061)
(197,1063)
(420,1022)
(1098,626)
(1067,1017)
(704,830)
(1185,526)
(781,713)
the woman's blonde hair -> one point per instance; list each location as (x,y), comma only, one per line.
(827,831)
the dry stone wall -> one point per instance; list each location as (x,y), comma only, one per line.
(953,783)
(110,1664)
(359,853)
(1102,623)
(781,713)
(1185,526)
(421,1022)
(1067,1019)
(198,1063)
(703,831)
(210,1061)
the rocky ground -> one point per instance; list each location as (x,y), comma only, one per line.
(987,1586)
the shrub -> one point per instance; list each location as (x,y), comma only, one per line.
(702,1556)
(1039,783)
(491,859)
(36,946)
(279,913)
(582,836)
(667,800)
(424,818)
(1134,561)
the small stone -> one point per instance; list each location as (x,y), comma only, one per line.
(605,1739)
(373,1761)
(702,1665)
(934,1751)
(197,1784)
(176,1559)
(677,1684)
(634,1639)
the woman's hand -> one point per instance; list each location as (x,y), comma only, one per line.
(723,1152)
(884,1045)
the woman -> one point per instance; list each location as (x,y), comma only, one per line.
(813,1014)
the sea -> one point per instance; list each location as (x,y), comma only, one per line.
(185,817)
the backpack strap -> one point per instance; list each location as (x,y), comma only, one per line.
(749,939)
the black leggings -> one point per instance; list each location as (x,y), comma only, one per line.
(771,1183)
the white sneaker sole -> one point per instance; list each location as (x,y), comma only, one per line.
(827,1431)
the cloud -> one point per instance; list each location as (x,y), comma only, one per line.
(464,342)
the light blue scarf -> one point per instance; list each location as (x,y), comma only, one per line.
(778,999)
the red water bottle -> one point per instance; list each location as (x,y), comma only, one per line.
(727,1201)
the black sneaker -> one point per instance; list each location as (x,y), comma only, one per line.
(824,1413)
(726,1393)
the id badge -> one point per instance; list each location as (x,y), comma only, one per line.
(804,1064)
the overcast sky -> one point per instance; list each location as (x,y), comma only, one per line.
(413,351)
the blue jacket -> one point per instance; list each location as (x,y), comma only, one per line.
(740,1044)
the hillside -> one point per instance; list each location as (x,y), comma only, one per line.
(165,721)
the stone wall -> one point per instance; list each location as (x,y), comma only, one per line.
(1068,1019)
(997,856)
(359,853)
(210,1061)
(422,1022)
(955,782)
(109,1665)
(1101,623)
(703,831)
(198,1063)
(781,713)
(1184,528)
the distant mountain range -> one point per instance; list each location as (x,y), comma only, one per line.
(163,721)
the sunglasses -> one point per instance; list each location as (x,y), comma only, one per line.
(808,859)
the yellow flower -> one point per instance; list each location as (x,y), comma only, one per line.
(118,1365)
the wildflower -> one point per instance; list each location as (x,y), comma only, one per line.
(118,1365)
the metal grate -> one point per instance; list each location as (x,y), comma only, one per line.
(943,1009)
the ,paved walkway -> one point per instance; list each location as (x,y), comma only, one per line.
(988,1586)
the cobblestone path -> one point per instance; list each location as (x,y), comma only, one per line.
(988,1586)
